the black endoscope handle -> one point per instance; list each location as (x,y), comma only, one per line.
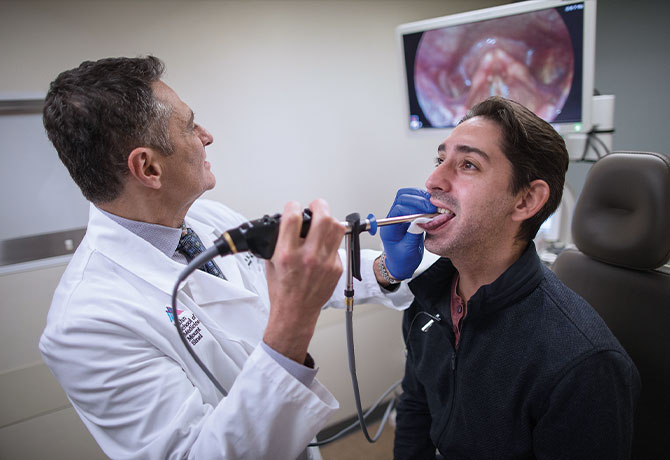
(258,236)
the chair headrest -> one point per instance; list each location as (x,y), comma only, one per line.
(622,216)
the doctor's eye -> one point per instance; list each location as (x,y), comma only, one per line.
(438,161)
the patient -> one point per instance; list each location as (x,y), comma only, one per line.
(503,360)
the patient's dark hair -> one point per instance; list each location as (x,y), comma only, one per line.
(535,150)
(97,113)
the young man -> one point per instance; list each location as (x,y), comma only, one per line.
(503,360)
(134,149)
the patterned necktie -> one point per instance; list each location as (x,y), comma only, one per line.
(191,246)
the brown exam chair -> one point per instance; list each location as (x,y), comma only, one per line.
(621,227)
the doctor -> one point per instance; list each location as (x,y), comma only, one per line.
(137,154)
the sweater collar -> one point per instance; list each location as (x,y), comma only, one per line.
(519,280)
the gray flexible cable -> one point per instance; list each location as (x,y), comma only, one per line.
(357,423)
(192,266)
(208,255)
(354,380)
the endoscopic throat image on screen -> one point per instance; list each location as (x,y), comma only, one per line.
(526,57)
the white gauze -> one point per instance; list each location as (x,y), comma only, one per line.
(414,228)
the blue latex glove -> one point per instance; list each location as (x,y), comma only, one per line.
(404,251)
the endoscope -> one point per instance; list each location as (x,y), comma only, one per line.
(260,238)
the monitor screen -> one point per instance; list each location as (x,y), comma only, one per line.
(538,53)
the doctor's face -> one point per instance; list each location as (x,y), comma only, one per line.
(471,181)
(186,172)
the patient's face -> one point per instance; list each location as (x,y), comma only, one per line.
(472,180)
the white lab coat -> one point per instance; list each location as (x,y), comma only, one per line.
(111,343)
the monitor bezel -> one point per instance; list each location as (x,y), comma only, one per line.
(588,48)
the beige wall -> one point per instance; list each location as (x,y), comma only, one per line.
(305,99)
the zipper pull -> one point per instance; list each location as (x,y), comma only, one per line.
(453,361)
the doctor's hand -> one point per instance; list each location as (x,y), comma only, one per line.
(302,275)
(403,250)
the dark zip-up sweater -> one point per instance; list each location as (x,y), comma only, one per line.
(536,375)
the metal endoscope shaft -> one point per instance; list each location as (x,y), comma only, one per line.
(365,223)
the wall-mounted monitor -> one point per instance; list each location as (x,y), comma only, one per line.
(540,53)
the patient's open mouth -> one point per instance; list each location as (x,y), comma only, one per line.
(444,215)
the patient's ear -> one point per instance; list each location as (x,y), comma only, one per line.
(530,200)
(144,166)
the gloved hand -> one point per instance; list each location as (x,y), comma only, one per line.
(404,251)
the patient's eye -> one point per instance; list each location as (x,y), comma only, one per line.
(470,166)
(438,161)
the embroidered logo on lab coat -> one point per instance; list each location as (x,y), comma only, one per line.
(168,310)
(190,325)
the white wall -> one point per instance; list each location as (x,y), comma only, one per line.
(632,63)
(305,99)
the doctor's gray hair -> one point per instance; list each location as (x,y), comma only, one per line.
(535,150)
(97,113)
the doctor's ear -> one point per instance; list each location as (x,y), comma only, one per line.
(530,200)
(144,166)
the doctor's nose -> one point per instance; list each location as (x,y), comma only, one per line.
(205,136)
